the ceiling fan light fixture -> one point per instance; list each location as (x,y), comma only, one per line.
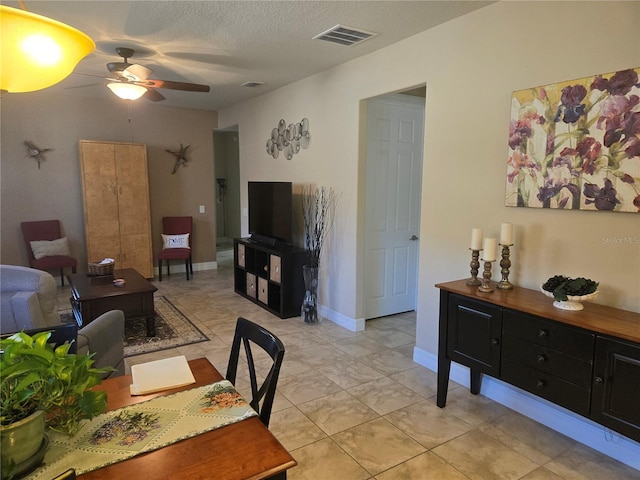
(127,91)
(37,52)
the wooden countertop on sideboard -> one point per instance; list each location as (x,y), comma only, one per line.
(598,318)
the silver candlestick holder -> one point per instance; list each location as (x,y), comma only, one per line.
(505,264)
(486,278)
(475,265)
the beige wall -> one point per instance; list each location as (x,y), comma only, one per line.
(471,66)
(55,191)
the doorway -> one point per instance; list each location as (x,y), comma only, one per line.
(227,191)
(395,144)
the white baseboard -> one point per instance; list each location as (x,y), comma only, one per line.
(557,418)
(353,324)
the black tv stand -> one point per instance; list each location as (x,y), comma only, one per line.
(264,239)
(270,275)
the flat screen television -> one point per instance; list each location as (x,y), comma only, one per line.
(271,212)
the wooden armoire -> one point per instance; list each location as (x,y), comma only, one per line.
(117,215)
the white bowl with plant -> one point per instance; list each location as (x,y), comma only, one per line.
(568,293)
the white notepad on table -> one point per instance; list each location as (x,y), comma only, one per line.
(160,375)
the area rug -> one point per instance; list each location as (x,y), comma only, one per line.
(173,329)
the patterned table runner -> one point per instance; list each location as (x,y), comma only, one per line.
(126,432)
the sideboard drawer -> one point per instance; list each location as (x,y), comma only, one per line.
(569,340)
(554,389)
(547,360)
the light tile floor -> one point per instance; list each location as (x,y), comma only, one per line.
(355,406)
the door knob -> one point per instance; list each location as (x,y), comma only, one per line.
(413,238)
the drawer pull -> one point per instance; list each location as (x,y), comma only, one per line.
(495,341)
(540,383)
(599,380)
(542,333)
(542,359)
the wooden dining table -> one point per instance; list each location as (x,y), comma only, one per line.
(242,450)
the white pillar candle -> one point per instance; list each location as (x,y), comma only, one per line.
(490,246)
(476,238)
(506,234)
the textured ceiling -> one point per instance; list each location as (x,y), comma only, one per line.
(227,43)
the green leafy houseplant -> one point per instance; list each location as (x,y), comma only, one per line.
(35,376)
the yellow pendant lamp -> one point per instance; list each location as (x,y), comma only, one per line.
(37,52)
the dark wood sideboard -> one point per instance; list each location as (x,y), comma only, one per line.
(587,361)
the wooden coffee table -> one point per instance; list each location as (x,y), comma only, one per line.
(93,296)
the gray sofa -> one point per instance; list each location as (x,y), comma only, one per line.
(28,301)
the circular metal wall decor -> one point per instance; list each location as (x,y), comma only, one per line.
(289,140)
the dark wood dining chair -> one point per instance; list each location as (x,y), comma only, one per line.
(46,230)
(176,226)
(249,333)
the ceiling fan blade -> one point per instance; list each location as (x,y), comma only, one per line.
(83,86)
(187,87)
(136,72)
(91,75)
(154,95)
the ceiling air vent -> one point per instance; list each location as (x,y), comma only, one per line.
(342,35)
(252,84)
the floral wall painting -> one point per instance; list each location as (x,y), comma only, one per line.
(575,145)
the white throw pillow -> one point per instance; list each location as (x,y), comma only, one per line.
(175,241)
(50,248)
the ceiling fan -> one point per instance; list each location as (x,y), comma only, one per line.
(131,80)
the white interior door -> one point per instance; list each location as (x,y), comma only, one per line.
(395,129)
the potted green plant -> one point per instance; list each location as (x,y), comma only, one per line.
(42,385)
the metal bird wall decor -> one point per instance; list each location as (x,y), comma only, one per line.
(181,157)
(35,152)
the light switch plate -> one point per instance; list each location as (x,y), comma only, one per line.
(201,208)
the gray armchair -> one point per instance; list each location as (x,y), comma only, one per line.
(28,301)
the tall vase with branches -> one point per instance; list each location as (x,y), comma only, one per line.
(318,205)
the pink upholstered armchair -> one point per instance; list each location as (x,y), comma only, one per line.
(50,251)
